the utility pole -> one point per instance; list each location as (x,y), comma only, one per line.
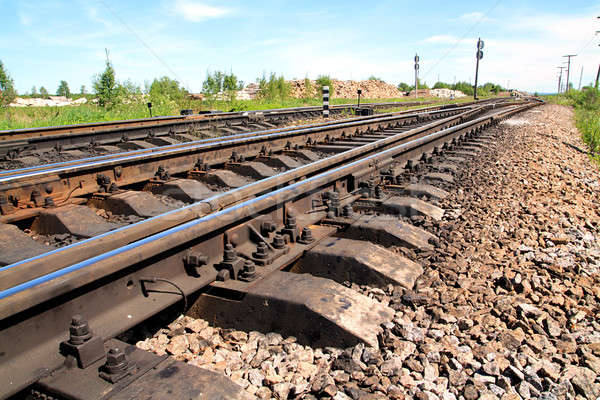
(478,56)
(598,73)
(580,76)
(416,75)
(568,69)
(560,78)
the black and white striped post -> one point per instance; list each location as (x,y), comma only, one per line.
(325,101)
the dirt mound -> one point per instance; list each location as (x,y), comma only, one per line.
(371,89)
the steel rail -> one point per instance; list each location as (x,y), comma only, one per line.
(30,338)
(133,232)
(14,272)
(138,167)
(17,171)
(74,136)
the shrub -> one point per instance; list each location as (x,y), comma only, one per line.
(213,83)
(7,87)
(325,80)
(273,88)
(309,89)
(374,78)
(43,93)
(164,87)
(404,87)
(442,85)
(464,87)
(231,85)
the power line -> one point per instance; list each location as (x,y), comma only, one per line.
(462,37)
(163,62)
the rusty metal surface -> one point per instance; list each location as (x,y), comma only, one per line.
(359,262)
(99,245)
(147,375)
(61,180)
(315,310)
(156,130)
(120,277)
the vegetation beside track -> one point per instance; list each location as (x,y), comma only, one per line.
(121,100)
(587,115)
(28,117)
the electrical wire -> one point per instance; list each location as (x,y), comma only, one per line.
(439,60)
(154,280)
(163,62)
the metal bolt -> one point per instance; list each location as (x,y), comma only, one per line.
(307,235)
(79,331)
(116,361)
(267,227)
(229,253)
(49,202)
(291,222)
(278,241)
(261,251)
(223,275)
(335,199)
(347,210)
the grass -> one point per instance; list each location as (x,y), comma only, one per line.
(588,124)
(587,115)
(30,117)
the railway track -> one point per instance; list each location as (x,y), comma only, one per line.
(33,146)
(268,206)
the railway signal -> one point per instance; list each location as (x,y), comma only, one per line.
(325,101)
(478,56)
(416,75)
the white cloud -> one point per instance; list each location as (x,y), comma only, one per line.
(441,39)
(196,11)
(474,17)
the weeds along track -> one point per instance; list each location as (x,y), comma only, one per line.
(33,146)
(241,231)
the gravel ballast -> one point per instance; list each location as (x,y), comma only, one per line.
(506,307)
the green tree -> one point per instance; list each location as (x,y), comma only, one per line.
(105,85)
(231,85)
(442,85)
(63,89)
(213,83)
(464,87)
(374,78)
(82,91)
(404,87)
(34,92)
(7,87)
(166,89)
(43,93)
(275,87)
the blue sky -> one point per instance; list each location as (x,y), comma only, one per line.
(42,42)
